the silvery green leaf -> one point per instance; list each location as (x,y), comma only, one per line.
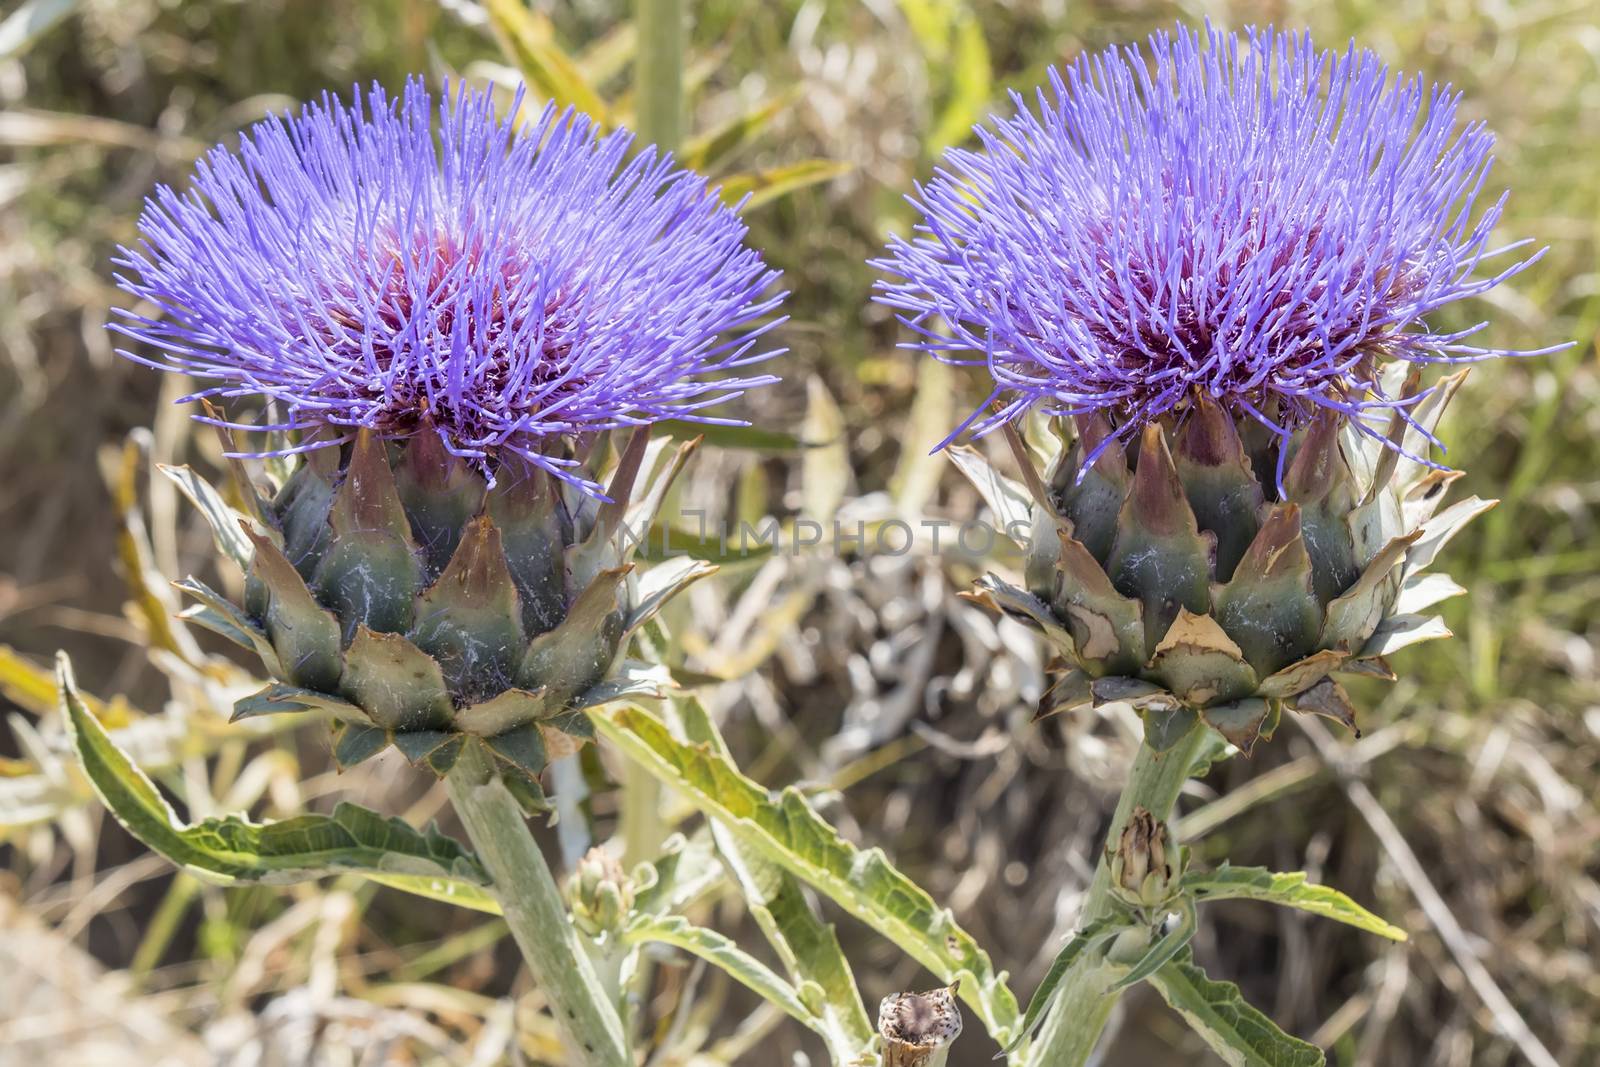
(785,830)
(723,954)
(808,947)
(233,849)
(1290,889)
(1074,954)
(1234,1030)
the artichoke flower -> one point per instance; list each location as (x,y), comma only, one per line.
(1216,269)
(448,319)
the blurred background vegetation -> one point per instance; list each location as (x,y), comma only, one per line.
(1485,756)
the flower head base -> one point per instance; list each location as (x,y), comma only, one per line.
(1253,221)
(507,288)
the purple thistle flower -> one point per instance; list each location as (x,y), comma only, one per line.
(1255,219)
(510,287)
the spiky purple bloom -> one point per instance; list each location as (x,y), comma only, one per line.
(510,287)
(1252,218)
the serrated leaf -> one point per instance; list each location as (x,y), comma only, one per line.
(808,947)
(786,830)
(773,183)
(1234,1030)
(233,849)
(1072,955)
(445,890)
(723,954)
(1289,889)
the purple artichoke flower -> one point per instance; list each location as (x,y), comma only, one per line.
(495,296)
(508,287)
(1252,220)
(1224,259)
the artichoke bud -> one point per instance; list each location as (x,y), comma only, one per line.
(600,894)
(394,588)
(1207,568)
(1145,865)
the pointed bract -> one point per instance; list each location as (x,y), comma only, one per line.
(398,685)
(534,533)
(1160,555)
(1320,481)
(469,619)
(371,570)
(1220,485)
(304,635)
(1199,663)
(1270,606)
(441,495)
(578,652)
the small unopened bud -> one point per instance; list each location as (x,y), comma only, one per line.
(1145,868)
(919,1028)
(600,894)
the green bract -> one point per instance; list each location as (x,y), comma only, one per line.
(1172,576)
(394,589)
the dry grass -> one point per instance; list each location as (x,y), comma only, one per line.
(1468,813)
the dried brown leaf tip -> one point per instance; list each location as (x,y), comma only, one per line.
(919,1028)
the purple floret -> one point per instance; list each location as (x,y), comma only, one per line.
(1251,218)
(510,286)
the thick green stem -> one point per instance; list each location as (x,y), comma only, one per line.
(658,74)
(536,913)
(1082,1008)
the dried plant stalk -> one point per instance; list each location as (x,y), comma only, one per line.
(919,1028)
